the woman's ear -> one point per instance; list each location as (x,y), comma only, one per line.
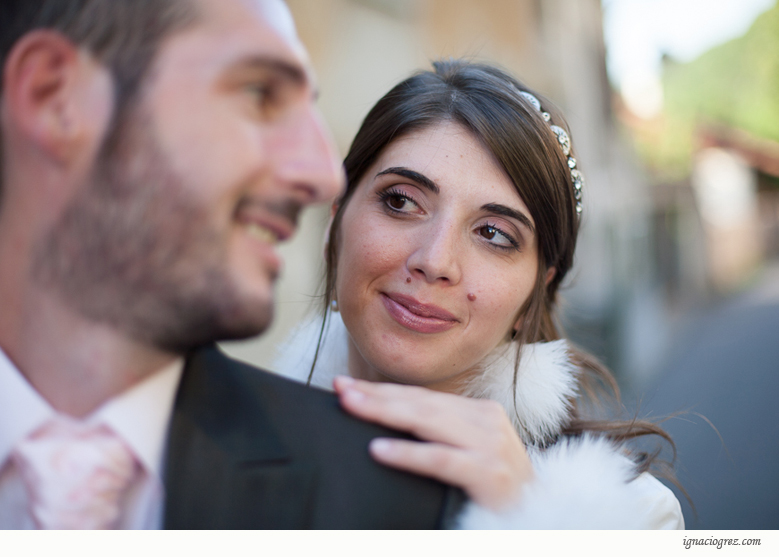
(517,327)
(550,274)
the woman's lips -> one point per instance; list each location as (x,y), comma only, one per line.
(422,318)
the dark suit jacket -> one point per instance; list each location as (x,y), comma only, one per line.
(248,449)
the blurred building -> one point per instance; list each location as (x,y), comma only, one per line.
(753,194)
(711,149)
(360,48)
(715,229)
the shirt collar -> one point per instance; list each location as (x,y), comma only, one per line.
(22,409)
(139,415)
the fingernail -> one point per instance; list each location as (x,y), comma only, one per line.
(382,446)
(354,395)
(344,380)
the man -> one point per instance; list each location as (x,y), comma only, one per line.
(153,152)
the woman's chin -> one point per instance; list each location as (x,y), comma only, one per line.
(421,373)
(399,357)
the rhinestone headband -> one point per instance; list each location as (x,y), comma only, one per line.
(565,145)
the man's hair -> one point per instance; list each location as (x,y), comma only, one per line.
(124,35)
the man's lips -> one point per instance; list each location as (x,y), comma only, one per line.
(265,233)
(419,317)
(268,222)
(262,233)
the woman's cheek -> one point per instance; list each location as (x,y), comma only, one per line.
(385,248)
(369,257)
(496,307)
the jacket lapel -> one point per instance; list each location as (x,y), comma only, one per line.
(226,465)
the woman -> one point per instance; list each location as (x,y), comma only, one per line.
(444,258)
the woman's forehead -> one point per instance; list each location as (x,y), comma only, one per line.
(453,157)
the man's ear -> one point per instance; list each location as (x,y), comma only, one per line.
(48,95)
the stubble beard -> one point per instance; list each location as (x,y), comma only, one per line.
(135,250)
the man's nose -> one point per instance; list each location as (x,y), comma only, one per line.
(436,255)
(307,157)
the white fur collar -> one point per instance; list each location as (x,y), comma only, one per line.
(546,383)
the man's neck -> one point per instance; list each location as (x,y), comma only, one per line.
(75,364)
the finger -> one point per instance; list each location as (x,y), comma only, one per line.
(481,412)
(343,382)
(489,486)
(434,460)
(448,420)
(389,390)
(404,411)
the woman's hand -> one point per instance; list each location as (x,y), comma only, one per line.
(469,443)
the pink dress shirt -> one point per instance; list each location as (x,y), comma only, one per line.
(140,415)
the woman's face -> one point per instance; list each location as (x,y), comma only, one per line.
(437,254)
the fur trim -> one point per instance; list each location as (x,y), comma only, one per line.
(546,385)
(586,483)
(546,381)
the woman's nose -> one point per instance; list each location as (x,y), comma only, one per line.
(437,254)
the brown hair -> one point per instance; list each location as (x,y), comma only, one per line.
(486,101)
(123,34)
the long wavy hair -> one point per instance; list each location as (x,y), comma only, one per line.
(487,102)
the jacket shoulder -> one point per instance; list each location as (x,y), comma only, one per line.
(285,456)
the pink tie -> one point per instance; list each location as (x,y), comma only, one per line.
(76,474)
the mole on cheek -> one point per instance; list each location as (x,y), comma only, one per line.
(472,296)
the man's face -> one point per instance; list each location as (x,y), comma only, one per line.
(171,238)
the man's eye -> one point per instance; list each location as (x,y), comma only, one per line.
(261,94)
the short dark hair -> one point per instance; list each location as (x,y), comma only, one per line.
(122,34)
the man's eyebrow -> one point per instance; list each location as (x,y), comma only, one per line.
(420,179)
(504,211)
(287,70)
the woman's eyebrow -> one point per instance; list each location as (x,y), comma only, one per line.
(420,179)
(504,211)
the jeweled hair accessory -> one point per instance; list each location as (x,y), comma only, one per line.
(565,144)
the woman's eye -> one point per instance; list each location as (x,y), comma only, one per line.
(497,237)
(398,202)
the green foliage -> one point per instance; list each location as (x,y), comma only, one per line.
(735,84)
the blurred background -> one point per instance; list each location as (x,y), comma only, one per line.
(674,110)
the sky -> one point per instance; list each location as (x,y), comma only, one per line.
(638,32)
